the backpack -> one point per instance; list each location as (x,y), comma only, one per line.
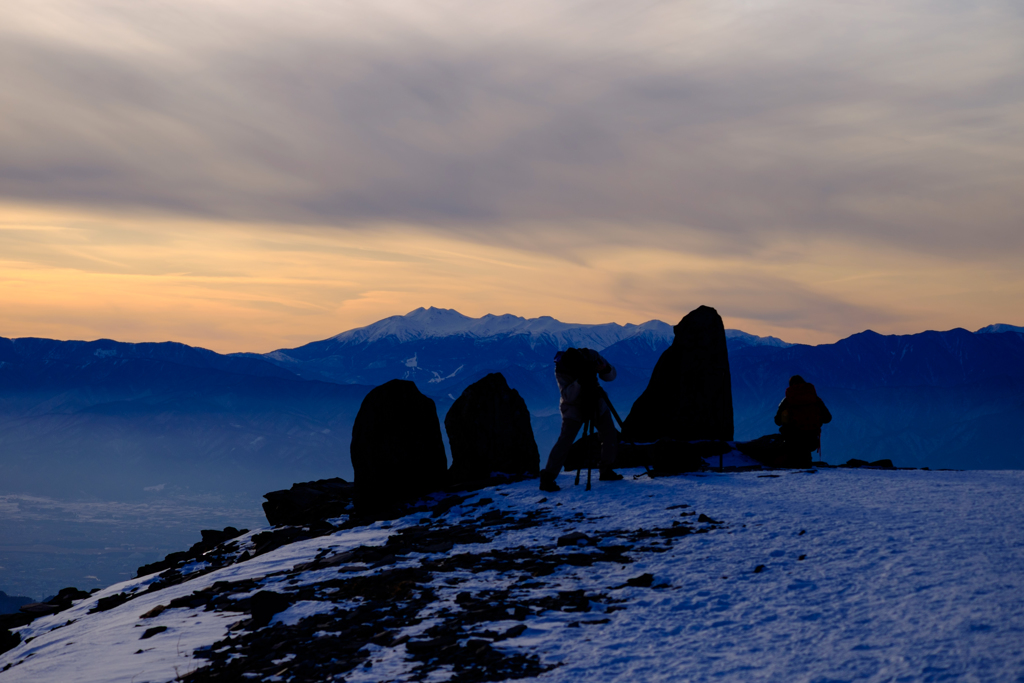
(804,413)
(581,365)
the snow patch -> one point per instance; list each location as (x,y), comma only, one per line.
(301,610)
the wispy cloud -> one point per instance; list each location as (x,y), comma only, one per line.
(713,129)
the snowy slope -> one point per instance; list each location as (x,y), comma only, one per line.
(432,323)
(867,575)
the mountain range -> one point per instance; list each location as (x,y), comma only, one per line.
(112,417)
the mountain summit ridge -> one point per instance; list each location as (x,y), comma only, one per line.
(434,323)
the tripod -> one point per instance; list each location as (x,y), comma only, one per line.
(589,428)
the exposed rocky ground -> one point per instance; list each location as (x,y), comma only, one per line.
(837,574)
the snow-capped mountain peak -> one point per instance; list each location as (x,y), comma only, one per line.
(432,323)
(995,329)
(741,338)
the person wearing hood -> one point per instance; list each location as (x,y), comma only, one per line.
(800,417)
(581,399)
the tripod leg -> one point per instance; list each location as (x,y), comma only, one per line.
(579,468)
(590,461)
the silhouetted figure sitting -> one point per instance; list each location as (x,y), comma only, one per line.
(576,371)
(800,417)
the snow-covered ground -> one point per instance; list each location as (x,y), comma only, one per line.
(865,575)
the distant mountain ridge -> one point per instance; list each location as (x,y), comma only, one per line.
(114,416)
(430,323)
(444,351)
(442,347)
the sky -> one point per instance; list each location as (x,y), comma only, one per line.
(246,175)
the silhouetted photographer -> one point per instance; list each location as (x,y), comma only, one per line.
(800,417)
(582,400)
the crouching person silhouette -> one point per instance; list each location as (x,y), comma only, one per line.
(576,371)
(800,417)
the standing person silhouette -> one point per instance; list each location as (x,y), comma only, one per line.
(800,416)
(576,371)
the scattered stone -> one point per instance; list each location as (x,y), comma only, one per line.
(758,569)
(397,451)
(706,520)
(689,397)
(447,504)
(676,531)
(642,581)
(574,539)
(265,604)
(155,612)
(110,602)
(489,431)
(150,632)
(266,541)
(211,539)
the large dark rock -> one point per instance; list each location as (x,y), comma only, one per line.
(689,397)
(489,431)
(310,502)
(397,451)
(8,640)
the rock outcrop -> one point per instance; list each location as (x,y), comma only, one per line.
(689,397)
(309,502)
(489,431)
(9,604)
(28,612)
(201,551)
(397,451)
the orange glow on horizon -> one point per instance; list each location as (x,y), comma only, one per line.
(232,287)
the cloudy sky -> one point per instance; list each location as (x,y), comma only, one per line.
(255,174)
